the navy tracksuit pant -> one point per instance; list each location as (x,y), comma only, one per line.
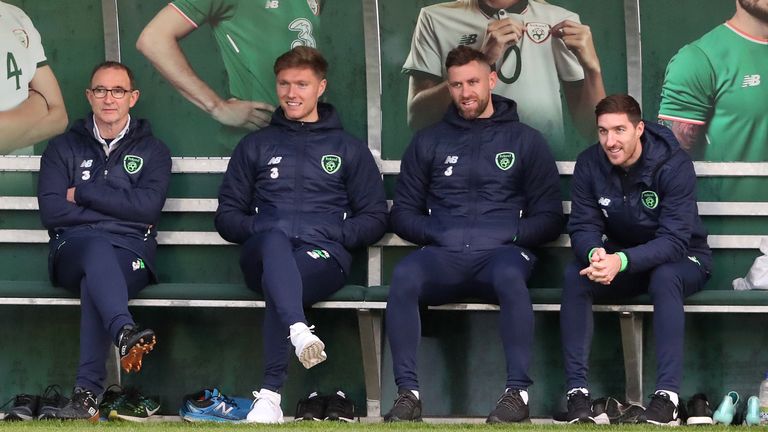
(105,277)
(433,276)
(667,284)
(290,275)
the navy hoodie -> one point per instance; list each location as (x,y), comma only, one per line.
(478,184)
(120,196)
(648,212)
(312,181)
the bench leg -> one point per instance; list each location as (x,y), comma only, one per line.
(369,322)
(113,367)
(632,343)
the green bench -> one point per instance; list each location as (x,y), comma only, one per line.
(369,301)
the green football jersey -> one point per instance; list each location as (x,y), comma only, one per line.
(251,34)
(721,81)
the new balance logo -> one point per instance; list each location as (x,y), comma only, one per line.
(275,160)
(222,406)
(603,201)
(751,80)
(468,39)
(272,4)
(86,163)
(451,160)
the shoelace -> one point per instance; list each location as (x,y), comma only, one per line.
(404,400)
(336,403)
(580,401)
(51,395)
(308,329)
(658,403)
(511,400)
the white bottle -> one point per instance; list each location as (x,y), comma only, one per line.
(764,401)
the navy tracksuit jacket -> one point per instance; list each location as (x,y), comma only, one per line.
(478,184)
(312,181)
(123,205)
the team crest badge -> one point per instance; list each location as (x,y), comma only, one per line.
(505,160)
(132,164)
(330,163)
(537,32)
(314,5)
(650,199)
(22,36)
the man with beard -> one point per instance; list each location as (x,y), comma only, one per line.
(539,51)
(477,191)
(715,93)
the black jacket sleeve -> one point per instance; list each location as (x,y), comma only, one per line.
(142,203)
(52,185)
(543,218)
(235,216)
(365,190)
(585,225)
(409,212)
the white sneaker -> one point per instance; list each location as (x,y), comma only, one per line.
(265,408)
(309,348)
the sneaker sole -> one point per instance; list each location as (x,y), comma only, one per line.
(699,421)
(132,361)
(496,420)
(344,419)
(588,420)
(672,423)
(602,419)
(313,354)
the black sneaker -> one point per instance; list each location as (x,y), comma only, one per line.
(51,402)
(339,408)
(407,407)
(660,411)
(24,408)
(510,408)
(311,408)
(699,412)
(579,408)
(604,409)
(82,406)
(630,414)
(133,343)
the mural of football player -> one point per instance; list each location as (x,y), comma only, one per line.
(539,50)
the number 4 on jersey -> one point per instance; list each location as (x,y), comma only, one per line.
(13,69)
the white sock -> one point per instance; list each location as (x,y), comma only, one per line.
(415,393)
(523,395)
(672,395)
(575,389)
(269,394)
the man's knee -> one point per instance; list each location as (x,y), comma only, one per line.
(408,278)
(573,282)
(665,280)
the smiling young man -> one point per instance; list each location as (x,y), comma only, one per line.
(298,195)
(102,187)
(634,229)
(477,191)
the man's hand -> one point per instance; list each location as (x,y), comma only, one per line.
(499,35)
(71,195)
(603,267)
(250,115)
(578,38)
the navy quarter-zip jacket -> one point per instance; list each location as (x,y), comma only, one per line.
(608,200)
(478,184)
(120,196)
(312,181)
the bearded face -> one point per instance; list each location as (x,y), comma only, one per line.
(756,8)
